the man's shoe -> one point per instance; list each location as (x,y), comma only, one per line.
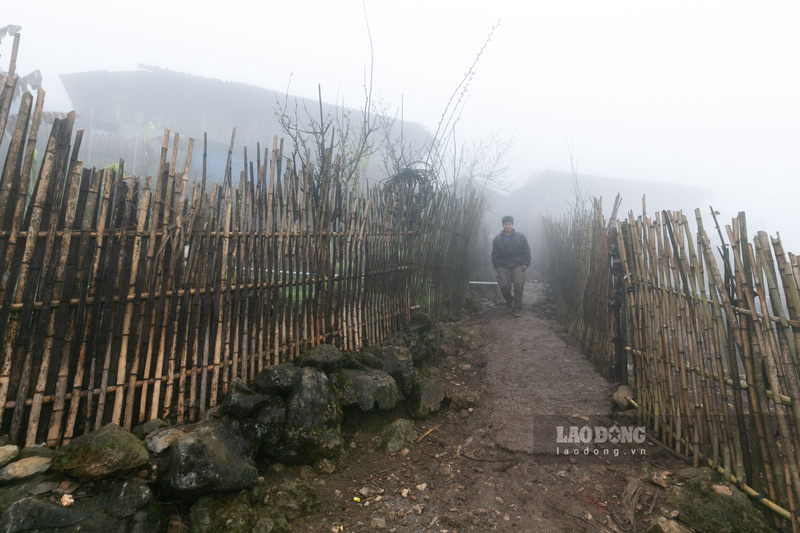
(517,313)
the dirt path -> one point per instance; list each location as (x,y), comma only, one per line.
(497,466)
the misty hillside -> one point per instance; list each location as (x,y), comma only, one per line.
(552,192)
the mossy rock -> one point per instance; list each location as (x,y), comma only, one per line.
(325,357)
(232,514)
(265,508)
(398,435)
(704,510)
(345,388)
(101,453)
(472,303)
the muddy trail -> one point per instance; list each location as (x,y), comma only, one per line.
(496,459)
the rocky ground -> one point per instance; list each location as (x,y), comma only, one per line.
(492,460)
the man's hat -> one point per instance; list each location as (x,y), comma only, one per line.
(508,218)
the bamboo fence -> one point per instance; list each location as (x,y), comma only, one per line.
(125,299)
(712,337)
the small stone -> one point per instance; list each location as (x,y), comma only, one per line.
(8,453)
(304,472)
(422,486)
(143,430)
(722,489)
(352,445)
(276,468)
(404,493)
(365,492)
(325,466)
(463,413)
(418,508)
(161,439)
(573,460)
(45,486)
(36,451)
(445,470)
(498,499)
(665,525)
(377,522)
(68,486)
(24,468)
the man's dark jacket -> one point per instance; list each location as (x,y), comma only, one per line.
(515,253)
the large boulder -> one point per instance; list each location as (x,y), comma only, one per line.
(270,424)
(371,388)
(313,418)
(325,357)
(213,456)
(429,343)
(425,398)
(241,402)
(346,393)
(101,453)
(230,513)
(107,505)
(289,499)
(266,508)
(277,379)
(372,357)
(369,357)
(397,361)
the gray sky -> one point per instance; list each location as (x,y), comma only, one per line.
(683,91)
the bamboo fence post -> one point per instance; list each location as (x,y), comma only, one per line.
(166,354)
(14,225)
(769,347)
(94,287)
(30,271)
(10,177)
(770,455)
(177,261)
(87,204)
(732,319)
(207,317)
(9,87)
(117,283)
(155,299)
(223,282)
(134,303)
(55,319)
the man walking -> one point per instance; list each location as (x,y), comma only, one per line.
(511,257)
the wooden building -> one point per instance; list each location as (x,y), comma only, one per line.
(124,114)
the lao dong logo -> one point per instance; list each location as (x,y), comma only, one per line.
(600,434)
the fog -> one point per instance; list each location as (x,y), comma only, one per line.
(694,93)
